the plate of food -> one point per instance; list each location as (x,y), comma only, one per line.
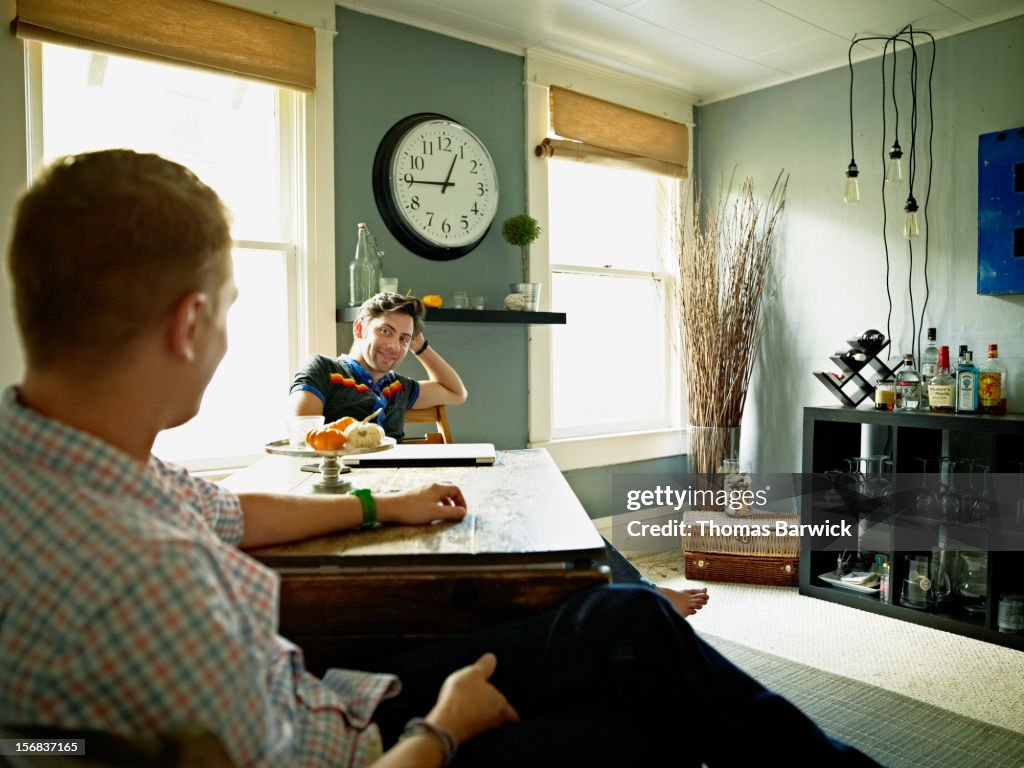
(343,437)
(285,448)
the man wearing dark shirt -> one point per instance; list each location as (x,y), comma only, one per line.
(363,381)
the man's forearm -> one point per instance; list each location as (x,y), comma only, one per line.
(445,387)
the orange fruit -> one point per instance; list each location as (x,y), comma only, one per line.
(432,300)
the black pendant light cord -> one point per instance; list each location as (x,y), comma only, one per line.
(905,36)
(928,188)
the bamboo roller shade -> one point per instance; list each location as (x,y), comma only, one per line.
(602,128)
(195,32)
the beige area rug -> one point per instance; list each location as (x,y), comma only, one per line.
(962,675)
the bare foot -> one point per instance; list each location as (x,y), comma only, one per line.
(685,601)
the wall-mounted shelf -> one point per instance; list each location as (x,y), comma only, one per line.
(443,315)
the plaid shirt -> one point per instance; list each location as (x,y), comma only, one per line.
(125,607)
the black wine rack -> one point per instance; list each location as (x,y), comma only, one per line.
(859,369)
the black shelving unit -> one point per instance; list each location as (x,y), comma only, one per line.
(894,528)
(444,315)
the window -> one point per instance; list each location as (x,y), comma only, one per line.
(238,136)
(613,364)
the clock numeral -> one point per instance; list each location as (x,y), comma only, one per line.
(475,209)
(408,179)
(414,202)
(473,165)
(430,218)
(465,223)
(462,151)
(446,227)
(444,143)
(428,148)
(416,162)
(480,189)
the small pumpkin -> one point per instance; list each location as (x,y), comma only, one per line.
(432,300)
(326,439)
(341,424)
(364,435)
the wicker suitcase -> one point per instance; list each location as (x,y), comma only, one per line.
(720,550)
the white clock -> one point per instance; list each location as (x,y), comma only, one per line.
(435,186)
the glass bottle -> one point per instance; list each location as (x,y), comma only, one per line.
(929,366)
(941,387)
(908,386)
(363,278)
(991,381)
(967,385)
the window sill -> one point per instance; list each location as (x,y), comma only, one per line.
(605,450)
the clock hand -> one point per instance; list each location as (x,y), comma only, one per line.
(434,183)
(450,169)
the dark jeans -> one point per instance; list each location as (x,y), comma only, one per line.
(613,677)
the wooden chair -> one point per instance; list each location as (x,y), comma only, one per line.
(434,415)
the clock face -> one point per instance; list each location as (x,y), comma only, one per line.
(435,186)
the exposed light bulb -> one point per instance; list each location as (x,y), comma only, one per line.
(851,192)
(894,170)
(911,226)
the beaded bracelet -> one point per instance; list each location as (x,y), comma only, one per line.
(418,726)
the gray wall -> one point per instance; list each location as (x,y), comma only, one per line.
(831,256)
(385,71)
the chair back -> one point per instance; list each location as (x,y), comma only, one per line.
(434,415)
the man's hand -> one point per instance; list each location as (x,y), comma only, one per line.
(438,501)
(468,704)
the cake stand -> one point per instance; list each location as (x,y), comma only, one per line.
(331,469)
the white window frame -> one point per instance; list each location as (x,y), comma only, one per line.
(306,132)
(620,447)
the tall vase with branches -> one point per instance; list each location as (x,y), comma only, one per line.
(726,285)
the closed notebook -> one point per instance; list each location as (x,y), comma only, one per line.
(427,455)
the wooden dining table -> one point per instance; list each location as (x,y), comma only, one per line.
(350,598)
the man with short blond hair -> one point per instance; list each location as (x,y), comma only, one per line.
(127,606)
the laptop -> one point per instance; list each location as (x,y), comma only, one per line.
(426,455)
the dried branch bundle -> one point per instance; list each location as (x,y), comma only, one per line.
(725,288)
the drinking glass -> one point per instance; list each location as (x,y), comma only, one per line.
(983,506)
(926,503)
(1020,494)
(878,481)
(950,499)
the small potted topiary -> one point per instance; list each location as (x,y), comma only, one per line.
(521,230)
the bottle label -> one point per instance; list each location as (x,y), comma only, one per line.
(965,392)
(990,387)
(940,395)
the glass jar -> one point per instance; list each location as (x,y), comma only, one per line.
(885,395)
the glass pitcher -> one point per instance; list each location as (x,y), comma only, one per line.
(972,584)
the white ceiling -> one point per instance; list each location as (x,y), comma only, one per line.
(706,49)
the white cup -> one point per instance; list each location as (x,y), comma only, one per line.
(298,426)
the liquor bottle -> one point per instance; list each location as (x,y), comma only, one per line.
(929,366)
(363,278)
(942,386)
(961,356)
(967,385)
(908,386)
(992,381)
